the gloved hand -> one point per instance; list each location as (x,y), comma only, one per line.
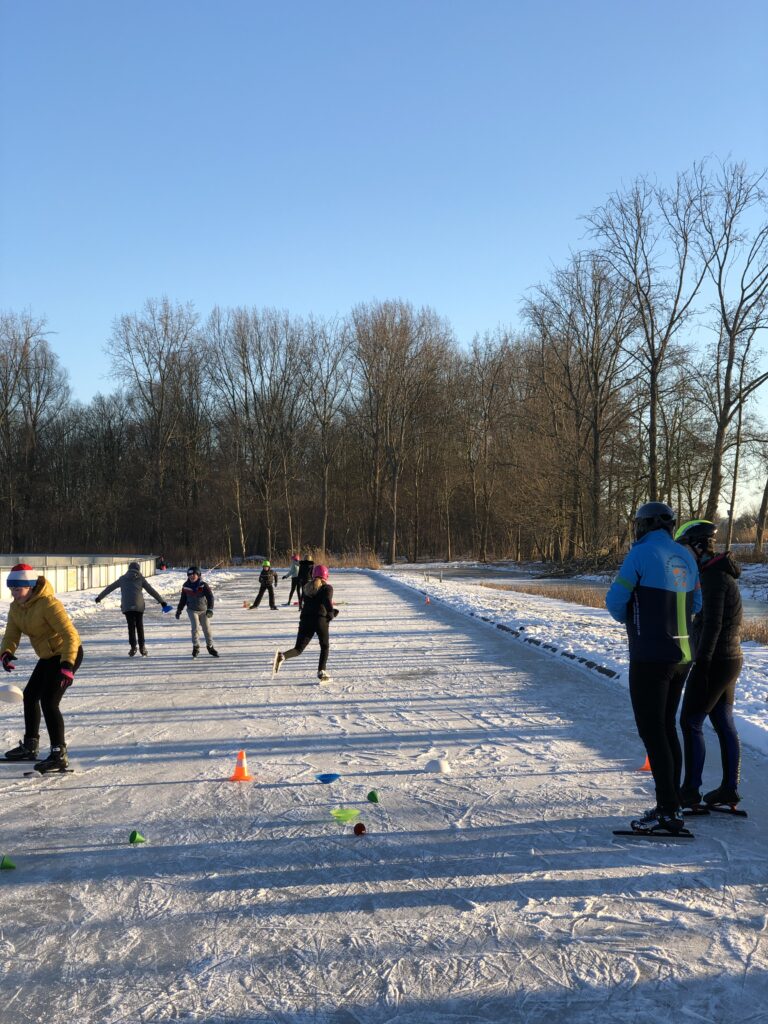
(167,608)
(209,613)
(178,615)
(67,676)
(97,600)
(7,659)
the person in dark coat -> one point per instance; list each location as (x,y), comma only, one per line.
(711,685)
(317,613)
(132,584)
(304,576)
(267,582)
(293,575)
(197,598)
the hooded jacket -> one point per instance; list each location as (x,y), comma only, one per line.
(197,597)
(717,630)
(655,594)
(131,584)
(43,618)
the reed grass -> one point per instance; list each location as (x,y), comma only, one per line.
(592,597)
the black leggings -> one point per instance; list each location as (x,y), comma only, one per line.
(655,689)
(305,634)
(270,591)
(713,696)
(294,588)
(43,690)
(135,622)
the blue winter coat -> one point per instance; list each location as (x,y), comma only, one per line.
(655,594)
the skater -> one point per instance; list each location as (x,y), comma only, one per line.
(304,576)
(654,595)
(131,584)
(711,683)
(293,574)
(197,598)
(36,613)
(317,613)
(267,582)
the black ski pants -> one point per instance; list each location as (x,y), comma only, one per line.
(135,622)
(655,689)
(712,694)
(305,634)
(43,690)
(270,590)
(294,588)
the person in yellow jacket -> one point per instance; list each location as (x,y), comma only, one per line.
(36,613)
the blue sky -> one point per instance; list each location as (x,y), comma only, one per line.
(311,156)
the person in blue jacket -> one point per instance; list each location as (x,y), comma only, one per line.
(655,594)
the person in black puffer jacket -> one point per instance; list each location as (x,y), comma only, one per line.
(711,685)
(317,613)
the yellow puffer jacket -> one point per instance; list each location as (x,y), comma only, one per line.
(43,619)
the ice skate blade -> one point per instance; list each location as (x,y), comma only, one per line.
(696,812)
(727,809)
(56,771)
(684,833)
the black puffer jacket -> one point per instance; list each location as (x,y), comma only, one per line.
(716,630)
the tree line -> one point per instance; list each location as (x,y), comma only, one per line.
(632,377)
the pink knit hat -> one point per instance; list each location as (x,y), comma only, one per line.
(22,575)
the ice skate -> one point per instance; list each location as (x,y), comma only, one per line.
(212,651)
(132,652)
(324,677)
(55,762)
(143,652)
(690,801)
(195,651)
(656,821)
(27,750)
(722,795)
(277,661)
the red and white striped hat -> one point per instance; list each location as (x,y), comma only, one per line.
(22,574)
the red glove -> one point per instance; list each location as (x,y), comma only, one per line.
(7,660)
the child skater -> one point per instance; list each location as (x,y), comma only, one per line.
(131,584)
(197,598)
(317,612)
(36,613)
(293,574)
(267,582)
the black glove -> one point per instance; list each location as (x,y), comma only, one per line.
(7,659)
(209,613)
(178,615)
(67,676)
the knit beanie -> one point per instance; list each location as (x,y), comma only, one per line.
(133,565)
(21,574)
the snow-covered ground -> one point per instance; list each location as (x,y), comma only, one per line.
(589,636)
(492,893)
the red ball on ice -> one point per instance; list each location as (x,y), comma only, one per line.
(359,829)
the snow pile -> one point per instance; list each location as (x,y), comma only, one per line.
(589,637)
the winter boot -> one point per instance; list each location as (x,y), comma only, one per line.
(55,762)
(656,820)
(27,750)
(143,652)
(277,662)
(690,798)
(324,677)
(212,651)
(195,651)
(132,652)
(721,795)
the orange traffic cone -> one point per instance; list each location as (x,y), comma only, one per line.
(645,767)
(427,601)
(241,770)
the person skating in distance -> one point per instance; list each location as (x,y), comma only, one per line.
(306,565)
(293,575)
(132,584)
(36,613)
(317,613)
(267,583)
(197,598)
(654,595)
(711,684)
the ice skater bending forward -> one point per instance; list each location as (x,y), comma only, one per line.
(317,612)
